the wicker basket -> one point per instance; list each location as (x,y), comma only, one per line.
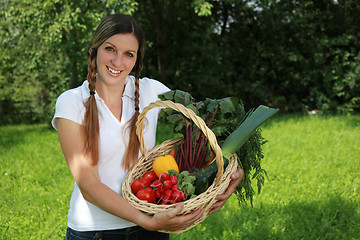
(204,200)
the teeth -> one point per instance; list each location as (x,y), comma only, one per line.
(113,71)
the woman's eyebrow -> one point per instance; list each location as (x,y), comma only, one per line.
(115,47)
(111,44)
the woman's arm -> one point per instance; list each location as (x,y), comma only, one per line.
(87,178)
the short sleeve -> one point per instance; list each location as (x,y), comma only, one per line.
(157,88)
(161,88)
(68,106)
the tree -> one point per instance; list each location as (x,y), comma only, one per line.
(43,47)
(294,54)
(161,20)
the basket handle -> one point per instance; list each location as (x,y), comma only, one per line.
(190,115)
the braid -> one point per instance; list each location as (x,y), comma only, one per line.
(91,121)
(132,150)
(137,95)
(91,76)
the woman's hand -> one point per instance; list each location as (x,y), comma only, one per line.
(236,178)
(171,221)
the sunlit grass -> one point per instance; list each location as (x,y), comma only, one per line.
(312,191)
(35,184)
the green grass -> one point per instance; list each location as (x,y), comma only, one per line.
(35,185)
(312,191)
(313,187)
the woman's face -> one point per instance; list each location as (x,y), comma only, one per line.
(116,58)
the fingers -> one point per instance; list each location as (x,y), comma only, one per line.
(176,211)
(217,206)
(194,215)
(238,174)
(236,178)
(189,219)
(171,221)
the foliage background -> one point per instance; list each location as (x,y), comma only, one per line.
(293,55)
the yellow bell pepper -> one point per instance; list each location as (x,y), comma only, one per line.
(164,164)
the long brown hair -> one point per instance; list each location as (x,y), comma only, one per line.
(109,26)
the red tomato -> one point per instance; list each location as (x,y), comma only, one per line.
(150,175)
(146,194)
(139,184)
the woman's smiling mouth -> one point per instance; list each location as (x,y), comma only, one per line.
(113,71)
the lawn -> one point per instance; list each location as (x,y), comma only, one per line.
(312,190)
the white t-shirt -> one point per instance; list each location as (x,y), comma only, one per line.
(84,216)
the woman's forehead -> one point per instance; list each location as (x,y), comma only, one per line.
(123,41)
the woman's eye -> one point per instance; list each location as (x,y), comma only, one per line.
(109,49)
(130,54)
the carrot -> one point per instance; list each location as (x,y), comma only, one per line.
(172,152)
(207,163)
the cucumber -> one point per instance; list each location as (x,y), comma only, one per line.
(205,177)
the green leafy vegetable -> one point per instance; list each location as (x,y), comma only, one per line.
(185,182)
(223,117)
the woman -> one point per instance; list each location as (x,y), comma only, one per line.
(96,127)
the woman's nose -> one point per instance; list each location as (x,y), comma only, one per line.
(117,60)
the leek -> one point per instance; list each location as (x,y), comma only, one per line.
(243,131)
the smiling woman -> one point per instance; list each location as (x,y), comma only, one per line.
(96,127)
(91,121)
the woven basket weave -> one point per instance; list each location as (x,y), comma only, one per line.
(204,200)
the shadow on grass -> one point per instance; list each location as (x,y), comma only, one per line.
(352,121)
(13,135)
(332,218)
